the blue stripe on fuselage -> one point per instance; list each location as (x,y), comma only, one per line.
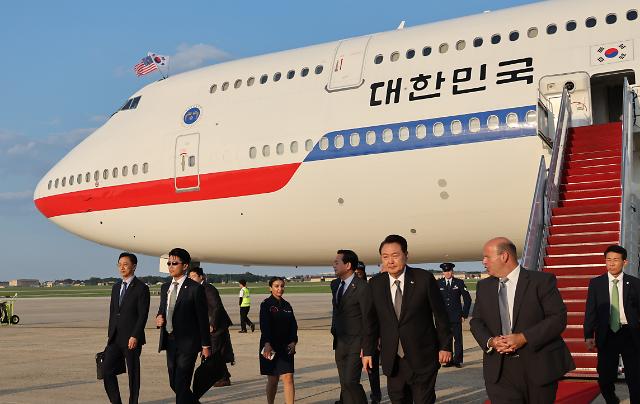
(447,138)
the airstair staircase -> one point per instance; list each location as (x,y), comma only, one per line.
(582,204)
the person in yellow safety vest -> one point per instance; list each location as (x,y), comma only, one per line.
(244,300)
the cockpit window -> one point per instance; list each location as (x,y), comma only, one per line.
(132,103)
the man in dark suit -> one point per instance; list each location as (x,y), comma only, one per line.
(219,323)
(351,306)
(517,321)
(453,290)
(613,315)
(182,317)
(412,345)
(128,312)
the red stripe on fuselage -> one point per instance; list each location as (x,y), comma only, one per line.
(212,186)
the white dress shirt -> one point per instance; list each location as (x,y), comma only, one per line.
(393,286)
(127,281)
(347,282)
(179,286)
(623,317)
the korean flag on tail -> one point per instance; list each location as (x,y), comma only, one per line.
(613,52)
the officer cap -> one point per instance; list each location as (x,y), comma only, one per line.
(361,265)
(447,266)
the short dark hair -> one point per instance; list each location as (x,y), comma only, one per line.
(394,238)
(242,282)
(361,266)
(182,254)
(274,279)
(618,249)
(132,257)
(198,271)
(349,257)
(507,246)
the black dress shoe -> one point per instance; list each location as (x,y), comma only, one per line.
(447,365)
(253,327)
(242,331)
(458,365)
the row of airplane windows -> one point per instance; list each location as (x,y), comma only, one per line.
(456,127)
(293,148)
(304,72)
(106,174)
(532,32)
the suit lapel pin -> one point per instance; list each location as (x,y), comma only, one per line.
(411,282)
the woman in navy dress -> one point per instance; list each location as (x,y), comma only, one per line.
(278,339)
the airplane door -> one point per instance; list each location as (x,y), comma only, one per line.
(579,84)
(187,172)
(348,64)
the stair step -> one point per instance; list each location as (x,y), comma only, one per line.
(597,248)
(566,271)
(587,186)
(573,294)
(586,209)
(590,218)
(573,148)
(583,373)
(590,178)
(573,332)
(593,155)
(592,193)
(598,161)
(577,346)
(601,169)
(571,260)
(585,360)
(592,201)
(595,130)
(575,318)
(584,228)
(605,237)
(577,305)
(573,282)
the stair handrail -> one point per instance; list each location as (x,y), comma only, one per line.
(533,240)
(556,167)
(628,232)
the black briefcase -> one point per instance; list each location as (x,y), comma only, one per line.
(210,371)
(120,365)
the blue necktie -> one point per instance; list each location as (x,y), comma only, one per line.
(122,292)
(339,294)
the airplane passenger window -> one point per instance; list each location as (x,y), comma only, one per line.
(134,169)
(114,174)
(145,166)
(512,120)
(411,53)
(125,171)
(291,74)
(64,181)
(378,59)
(590,22)
(264,78)
(324,143)
(192,163)
(514,36)
(338,142)
(304,72)
(456,127)
(460,45)
(495,39)
(552,29)
(438,129)
(237,84)
(266,150)
(87,177)
(277,76)
(387,135)
(253,152)
(79,179)
(293,147)
(403,134)
(632,15)
(105,174)
(533,32)
(444,48)
(395,56)
(72,179)
(225,86)
(319,69)
(571,26)
(354,139)
(426,51)
(532,117)
(371,137)
(474,125)
(57,182)
(421,131)
(250,81)
(493,122)
(96,175)
(611,18)
(280,149)
(477,42)
(213,89)
(50,183)
(308,145)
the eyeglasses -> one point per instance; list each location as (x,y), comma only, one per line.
(174,263)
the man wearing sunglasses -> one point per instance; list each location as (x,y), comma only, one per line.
(184,323)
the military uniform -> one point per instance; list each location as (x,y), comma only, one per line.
(452,293)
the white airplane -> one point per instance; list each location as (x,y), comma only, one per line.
(434,132)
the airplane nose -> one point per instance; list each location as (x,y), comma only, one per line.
(40,192)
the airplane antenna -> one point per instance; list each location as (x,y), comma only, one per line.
(401,26)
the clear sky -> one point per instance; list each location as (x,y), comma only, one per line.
(66,65)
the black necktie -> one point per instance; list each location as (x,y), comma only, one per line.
(339,294)
(122,292)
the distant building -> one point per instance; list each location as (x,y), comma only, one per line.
(4,284)
(33,283)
